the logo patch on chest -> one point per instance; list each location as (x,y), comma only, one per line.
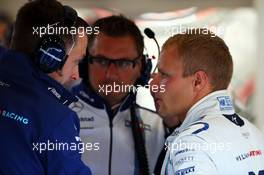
(146,127)
(87,122)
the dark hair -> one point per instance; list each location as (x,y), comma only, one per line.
(35,14)
(200,49)
(116,26)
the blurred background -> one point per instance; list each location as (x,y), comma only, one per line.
(239,22)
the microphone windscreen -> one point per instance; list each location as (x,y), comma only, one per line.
(149,33)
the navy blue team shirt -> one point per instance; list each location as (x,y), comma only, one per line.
(39,134)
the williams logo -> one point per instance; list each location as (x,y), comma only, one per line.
(13,116)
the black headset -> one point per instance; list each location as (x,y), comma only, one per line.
(145,71)
(51,54)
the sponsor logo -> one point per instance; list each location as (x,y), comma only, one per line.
(4,84)
(225,103)
(183,160)
(185,171)
(86,119)
(141,124)
(76,106)
(184,151)
(54,92)
(87,122)
(175,133)
(249,154)
(14,116)
(261,172)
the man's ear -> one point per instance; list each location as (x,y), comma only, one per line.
(200,80)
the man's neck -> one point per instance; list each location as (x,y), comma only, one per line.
(55,76)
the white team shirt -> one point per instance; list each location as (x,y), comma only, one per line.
(111,148)
(209,143)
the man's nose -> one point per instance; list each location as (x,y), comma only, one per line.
(111,71)
(154,83)
(75,74)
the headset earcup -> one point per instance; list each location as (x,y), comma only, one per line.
(145,71)
(50,55)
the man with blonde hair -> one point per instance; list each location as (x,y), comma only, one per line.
(195,69)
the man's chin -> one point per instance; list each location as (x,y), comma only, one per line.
(170,121)
(113,95)
(117,97)
(160,110)
(169,124)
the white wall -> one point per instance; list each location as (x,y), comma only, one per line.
(259,100)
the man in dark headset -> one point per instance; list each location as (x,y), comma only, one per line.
(39,133)
(129,137)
